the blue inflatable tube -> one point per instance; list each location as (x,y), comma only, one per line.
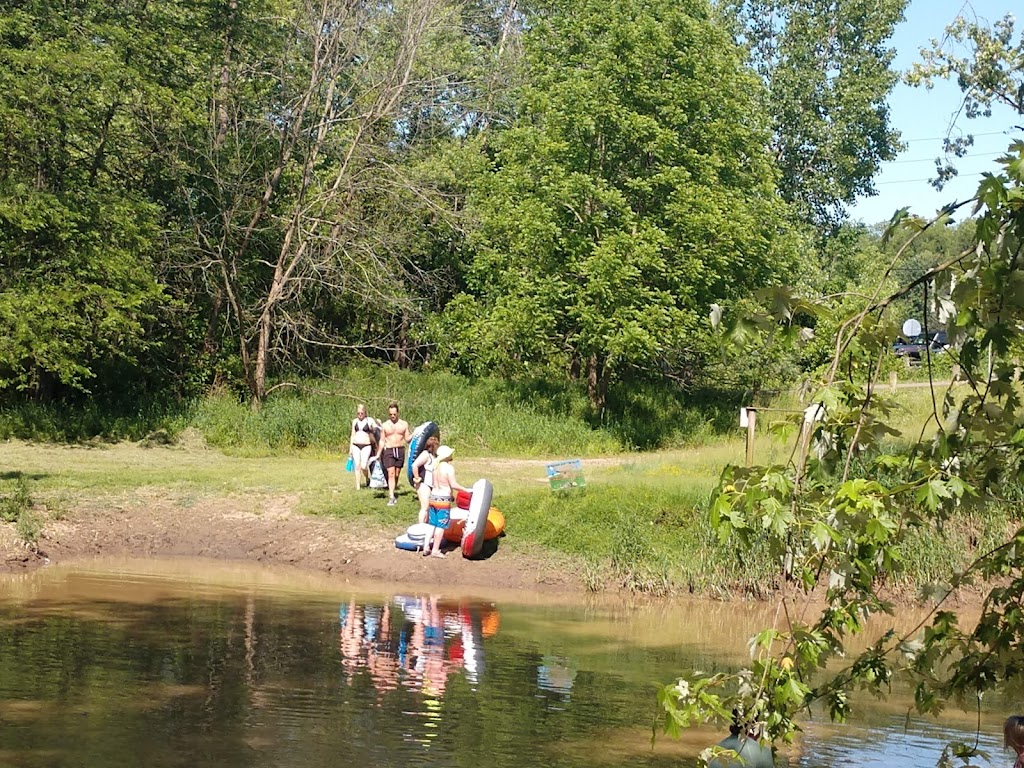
(419,439)
(404,542)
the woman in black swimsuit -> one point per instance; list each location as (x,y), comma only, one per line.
(361,444)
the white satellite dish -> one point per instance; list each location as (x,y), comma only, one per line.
(911,328)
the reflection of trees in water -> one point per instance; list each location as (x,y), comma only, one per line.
(251,681)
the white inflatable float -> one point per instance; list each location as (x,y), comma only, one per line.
(402,541)
(415,538)
(476,519)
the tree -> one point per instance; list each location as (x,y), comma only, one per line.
(836,514)
(80,227)
(986,63)
(631,190)
(311,180)
(827,76)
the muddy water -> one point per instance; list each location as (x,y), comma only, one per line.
(197,664)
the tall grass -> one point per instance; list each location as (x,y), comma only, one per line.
(88,420)
(484,416)
(480,416)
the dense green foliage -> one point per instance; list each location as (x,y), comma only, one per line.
(244,195)
(826,69)
(631,192)
(839,515)
(80,233)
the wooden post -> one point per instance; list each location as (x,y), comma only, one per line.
(802,447)
(893,378)
(751,425)
(812,414)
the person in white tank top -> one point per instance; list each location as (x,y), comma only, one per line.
(423,474)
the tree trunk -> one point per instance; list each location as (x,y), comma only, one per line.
(258,386)
(210,344)
(597,383)
(223,88)
(402,343)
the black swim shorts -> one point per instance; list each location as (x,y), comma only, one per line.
(393,457)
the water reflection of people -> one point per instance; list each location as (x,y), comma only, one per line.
(432,664)
(351,636)
(381,659)
(418,651)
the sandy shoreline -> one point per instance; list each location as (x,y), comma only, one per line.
(268,529)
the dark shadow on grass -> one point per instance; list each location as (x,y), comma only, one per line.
(641,414)
(647,415)
(22,476)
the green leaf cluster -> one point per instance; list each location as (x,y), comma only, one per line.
(836,515)
(632,189)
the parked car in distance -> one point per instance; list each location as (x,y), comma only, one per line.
(916,346)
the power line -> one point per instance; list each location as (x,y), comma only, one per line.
(928,178)
(932,159)
(943,138)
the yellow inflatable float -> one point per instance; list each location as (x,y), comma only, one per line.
(495,526)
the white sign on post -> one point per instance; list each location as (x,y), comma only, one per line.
(911,328)
(814,412)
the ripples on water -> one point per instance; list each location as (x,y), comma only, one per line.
(102,670)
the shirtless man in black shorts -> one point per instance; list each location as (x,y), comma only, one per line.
(394,435)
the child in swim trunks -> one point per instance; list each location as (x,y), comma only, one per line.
(439,511)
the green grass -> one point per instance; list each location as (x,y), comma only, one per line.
(641,522)
(15,498)
(482,416)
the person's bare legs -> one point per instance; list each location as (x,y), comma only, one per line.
(393,484)
(365,452)
(423,492)
(361,462)
(438,538)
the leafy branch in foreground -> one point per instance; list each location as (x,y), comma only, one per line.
(835,515)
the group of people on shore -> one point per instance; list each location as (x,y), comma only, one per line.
(432,471)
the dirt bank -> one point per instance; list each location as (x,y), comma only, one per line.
(267,529)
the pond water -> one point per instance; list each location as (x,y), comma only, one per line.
(185,664)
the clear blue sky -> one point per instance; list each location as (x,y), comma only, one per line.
(923,117)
